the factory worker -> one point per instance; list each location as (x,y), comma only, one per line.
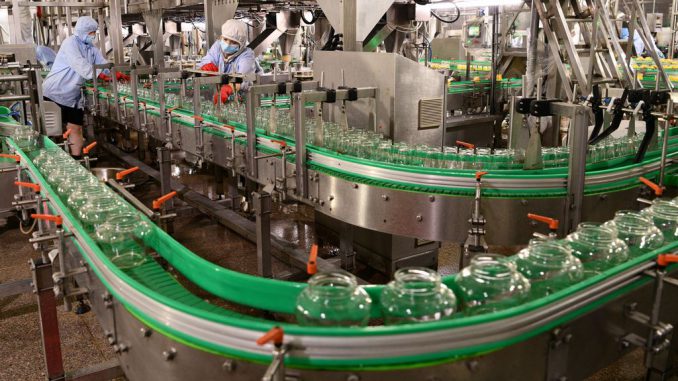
(45,56)
(230,55)
(72,67)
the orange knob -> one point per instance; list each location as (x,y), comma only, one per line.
(48,217)
(658,191)
(230,128)
(275,336)
(480,174)
(282,143)
(198,118)
(89,148)
(121,175)
(157,203)
(169,110)
(312,264)
(16,158)
(665,259)
(35,187)
(552,222)
(67,133)
(466,145)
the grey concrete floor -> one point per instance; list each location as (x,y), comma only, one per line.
(82,340)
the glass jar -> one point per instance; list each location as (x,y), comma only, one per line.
(26,138)
(74,180)
(333,299)
(46,154)
(80,195)
(416,295)
(122,231)
(637,230)
(54,160)
(490,283)
(129,257)
(97,210)
(597,247)
(57,174)
(664,215)
(549,266)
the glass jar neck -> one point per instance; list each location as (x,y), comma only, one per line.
(417,280)
(595,234)
(632,222)
(549,253)
(665,209)
(491,267)
(337,285)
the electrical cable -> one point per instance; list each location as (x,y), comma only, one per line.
(21,224)
(434,14)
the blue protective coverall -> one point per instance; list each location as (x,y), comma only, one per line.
(45,56)
(73,65)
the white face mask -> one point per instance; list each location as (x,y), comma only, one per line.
(89,39)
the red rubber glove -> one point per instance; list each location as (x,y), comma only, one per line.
(121,77)
(226,91)
(209,67)
(104,77)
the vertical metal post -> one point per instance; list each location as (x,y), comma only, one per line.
(665,143)
(578,141)
(251,152)
(49,325)
(116,96)
(197,122)
(115,31)
(262,210)
(346,246)
(350,22)
(165,166)
(493,80)
(300,145)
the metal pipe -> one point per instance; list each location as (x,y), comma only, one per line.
(130,197)
(532,52)
(665,144)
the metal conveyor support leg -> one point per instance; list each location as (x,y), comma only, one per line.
(262,210)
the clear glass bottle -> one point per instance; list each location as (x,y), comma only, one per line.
(490,283)
(549,266)
(597,247)
(416,295)
(130,257)
(637,230)
(122,231)
(333,299)
(664,215)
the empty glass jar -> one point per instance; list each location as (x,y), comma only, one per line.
(333,299)
(98,209)
(122,231)
(664,215)
(74,180)
(637,230)
(490,283)
(129,257)
(549,266)
(416,295)
(26,138)
(79,196)
(597,247)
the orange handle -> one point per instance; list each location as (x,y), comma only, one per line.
(230,128)
(275,336)
(142,103)
(282,143)
(169,110)
(312,265)
(67,133)
(16,158)
(198,118)
(656,188)
(553,223)
(480,174)
(464,144)
(35,187)
(121,175)
(48,217)
(157,203)
(89,148)
(664,259)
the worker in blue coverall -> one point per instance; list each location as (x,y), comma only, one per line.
(72,67)
(230,55)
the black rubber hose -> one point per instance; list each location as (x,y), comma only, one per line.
(314,17)
(442,20)
(597,112)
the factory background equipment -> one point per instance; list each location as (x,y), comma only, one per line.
(400,127)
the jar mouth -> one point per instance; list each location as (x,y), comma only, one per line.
(334,283)
(552,254)
(665,209)
(595,232)
(632,222)
(417,279)
(492,267)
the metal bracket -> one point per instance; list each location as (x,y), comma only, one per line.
(558,351)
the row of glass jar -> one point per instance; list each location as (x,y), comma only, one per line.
(492,282)
(115,226)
